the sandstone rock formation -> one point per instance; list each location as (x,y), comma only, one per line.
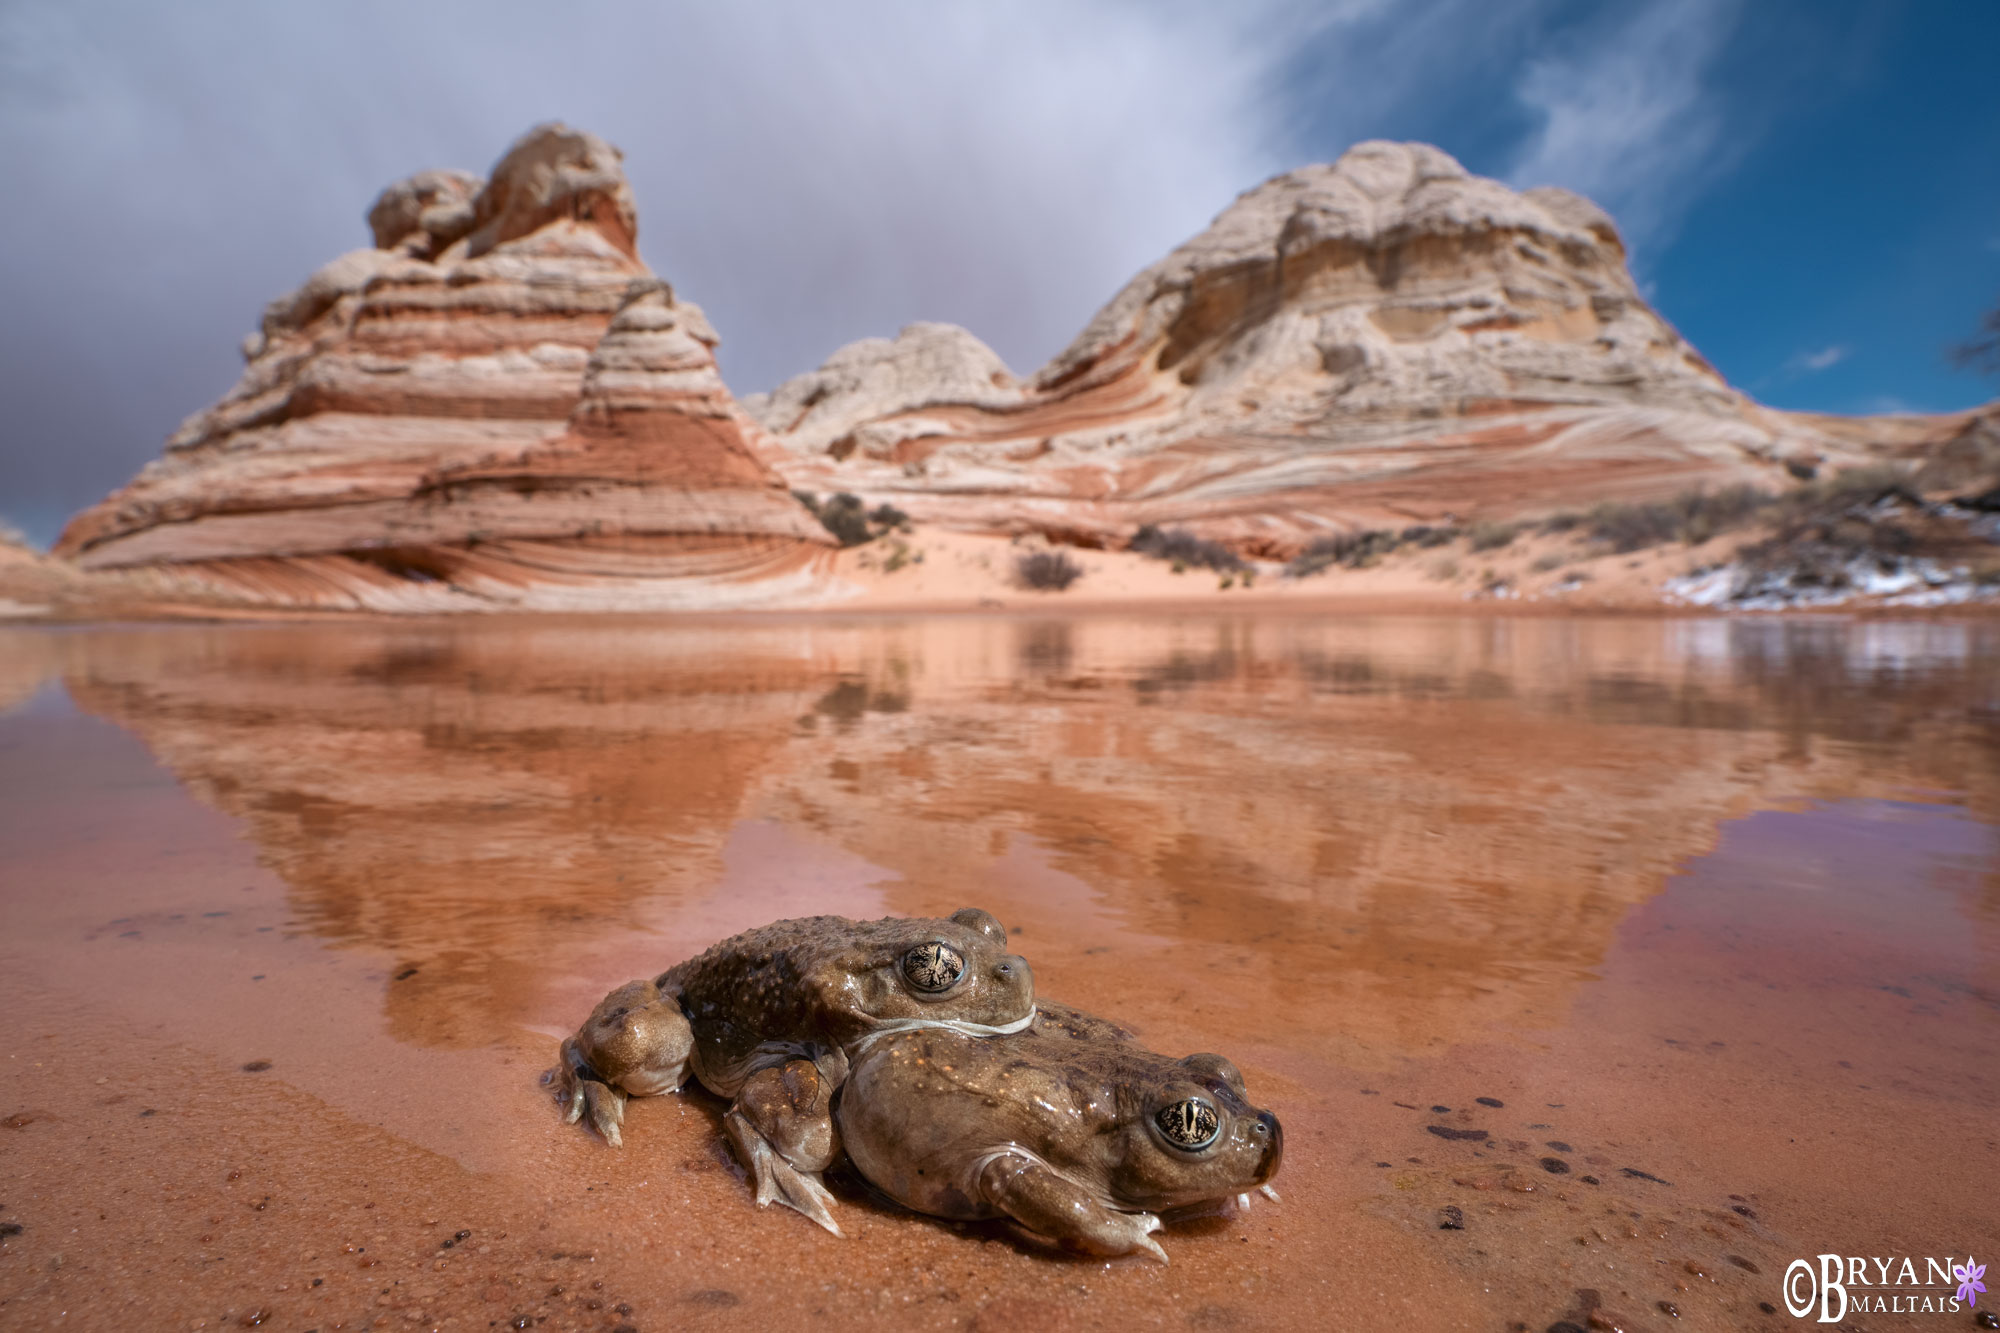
(1383,340)
(498,406)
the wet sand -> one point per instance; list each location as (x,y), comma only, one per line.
(1706,912)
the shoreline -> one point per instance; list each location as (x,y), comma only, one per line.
(937,572)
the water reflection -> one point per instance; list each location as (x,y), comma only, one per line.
(1395,834)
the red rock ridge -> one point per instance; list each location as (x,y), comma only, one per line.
(499,406)
(1382,340)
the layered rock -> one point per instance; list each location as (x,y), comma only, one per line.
(497,406)
(1385,339)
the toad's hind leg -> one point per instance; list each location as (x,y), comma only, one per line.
(782,1126)
(636,1042)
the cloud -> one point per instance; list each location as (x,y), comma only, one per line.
(810,173)
(1626,114)
(1811,363)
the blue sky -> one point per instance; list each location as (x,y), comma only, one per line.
(1810,188)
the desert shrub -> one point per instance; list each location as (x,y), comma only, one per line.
(1426,536)
(1490,536)
(1632,527)
(1046,571)
(1445,570)
(1692,517)
(1355,550)
(1543,564)
(1567,520)
(844,516)
(850,520)
(1852,486)
(1183,548)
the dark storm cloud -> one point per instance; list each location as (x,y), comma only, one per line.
(810,173)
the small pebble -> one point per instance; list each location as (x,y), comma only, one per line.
(1560,1146)
(1739,1208)
(1588,1180)
(1987,1319)
(1742,1263)
(1564,1326)
(1669,1309)
(256,1066)
(1555,1166)
(1439,1110)
(1767,1307)
(1451,1218)
(1494,1102)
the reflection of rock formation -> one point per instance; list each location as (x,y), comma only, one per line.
(458,800)
(1388,832)
(1396,831)
(498,405)
(28,659)
(1377,341)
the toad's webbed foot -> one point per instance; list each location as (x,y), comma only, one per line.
(636,1042)
(782,1126)
(1048,1204)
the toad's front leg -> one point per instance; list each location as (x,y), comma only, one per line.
(1049,1204)
(782,1126)
(636,1042)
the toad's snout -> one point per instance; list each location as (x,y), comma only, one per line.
(1273,1134)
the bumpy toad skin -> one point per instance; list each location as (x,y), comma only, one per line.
(769,1017)
(1069,1127)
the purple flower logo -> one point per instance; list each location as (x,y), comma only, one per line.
(1968,1275)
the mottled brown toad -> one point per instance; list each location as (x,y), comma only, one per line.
(769,1018)
(1069,1127)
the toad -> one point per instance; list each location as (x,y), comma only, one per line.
(1070,1128)
(769,1018)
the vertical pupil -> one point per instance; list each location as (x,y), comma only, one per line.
(1190,1123)
(932,967)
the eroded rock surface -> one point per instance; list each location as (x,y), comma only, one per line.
(497,406)
(1385,339)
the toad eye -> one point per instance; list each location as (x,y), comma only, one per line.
(1189,1125)
(933,967)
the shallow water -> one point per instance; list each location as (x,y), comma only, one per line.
(1705,911)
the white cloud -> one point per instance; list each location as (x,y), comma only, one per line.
(1626,116)
(810,173)
(813,173)
(1824,359)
